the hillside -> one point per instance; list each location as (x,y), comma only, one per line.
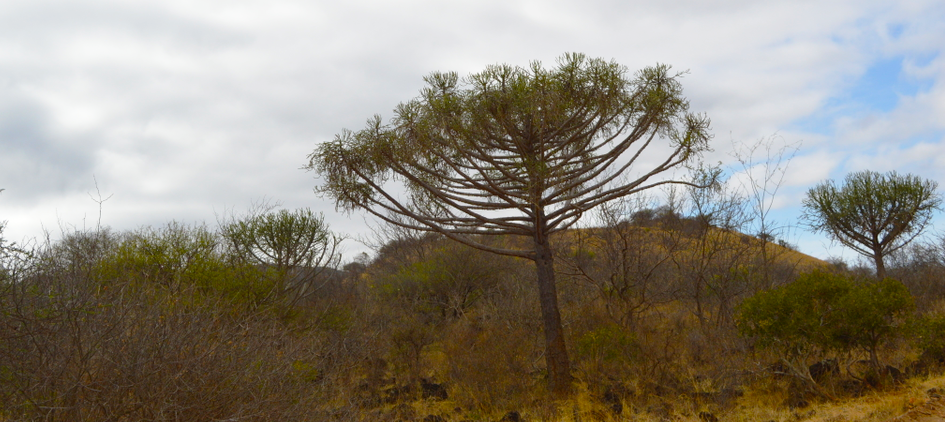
(168,324)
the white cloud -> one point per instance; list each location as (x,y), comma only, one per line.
(183,108)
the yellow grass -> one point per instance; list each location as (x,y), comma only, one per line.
(873,407)
(717,239)
(753,407)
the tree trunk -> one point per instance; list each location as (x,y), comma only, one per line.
(556,354)
(880,266)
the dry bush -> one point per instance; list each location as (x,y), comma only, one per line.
(921,267)
(462,317)
(657,318)
(491,366)
(97,329)
(162,324)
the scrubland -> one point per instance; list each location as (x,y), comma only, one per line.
(175,323)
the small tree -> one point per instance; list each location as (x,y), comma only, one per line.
(871,313)
(874,214)
(824,312)
(297,245)
(516,151)
(763,168)
(4,252)
(794,319)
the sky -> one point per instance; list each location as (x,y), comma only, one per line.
(136,113)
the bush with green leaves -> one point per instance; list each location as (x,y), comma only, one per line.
(870,314)
(445,283)
(178,259)
(606,350)
(929,338)
(794,319)
(823,312)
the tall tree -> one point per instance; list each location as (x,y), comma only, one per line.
(874,214)
(516,151)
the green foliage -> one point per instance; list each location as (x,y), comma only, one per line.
(181,260)
(874,214)
(795,318)
(822,312)
(283,239)
(336,319)
(294,250)
(171,256)
(930,337)
(607,343)
(869,313)
(445,283)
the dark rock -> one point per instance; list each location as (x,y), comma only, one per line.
(612,398)
(852,387)
(918,368)
(512,416)
(796,401)
(894,374)
(707,417)
(886,376)
(824,370)
(433,391)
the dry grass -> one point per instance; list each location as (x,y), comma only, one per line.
(755,406)
(141,342)
(875,406)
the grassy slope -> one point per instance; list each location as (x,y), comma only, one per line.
(916,395)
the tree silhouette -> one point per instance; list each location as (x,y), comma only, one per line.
(516,151)
(874,214)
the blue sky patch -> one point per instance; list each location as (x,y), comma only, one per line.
(878,89)
(896,30)
(881,86)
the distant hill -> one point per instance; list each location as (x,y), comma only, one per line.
(687,238)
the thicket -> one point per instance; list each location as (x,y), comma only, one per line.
(667,309)
(823,313)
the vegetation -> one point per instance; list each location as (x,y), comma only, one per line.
(293,247)
(174,323)
(669,310)
(874,214)
(823,312)
(517,152)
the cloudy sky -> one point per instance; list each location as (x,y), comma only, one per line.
(183,110)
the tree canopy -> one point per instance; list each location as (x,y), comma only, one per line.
(516,151)
(297,245)
(874,214)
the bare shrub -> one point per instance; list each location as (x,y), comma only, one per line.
(95,328)
(921,267)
